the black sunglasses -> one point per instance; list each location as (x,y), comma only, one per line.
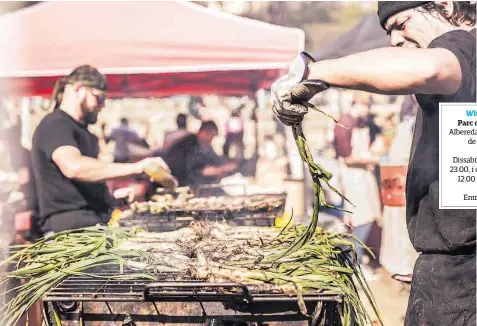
(100,98)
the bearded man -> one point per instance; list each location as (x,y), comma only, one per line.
(432,55)
(69,178)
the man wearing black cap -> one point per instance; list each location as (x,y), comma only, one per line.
(69,178)
(433,57)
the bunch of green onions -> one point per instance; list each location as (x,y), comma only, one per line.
(46,263)
(324,262)
(213,252)
(319,177)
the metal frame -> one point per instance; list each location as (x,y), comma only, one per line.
(326,314)
(256,306)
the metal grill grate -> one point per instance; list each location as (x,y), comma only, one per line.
(171,299)
(167,287)
(175,219)
(104,288)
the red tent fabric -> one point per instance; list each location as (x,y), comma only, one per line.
(145,48)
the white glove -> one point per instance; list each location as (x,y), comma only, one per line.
(290,91)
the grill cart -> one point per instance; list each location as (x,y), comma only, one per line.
(179,300)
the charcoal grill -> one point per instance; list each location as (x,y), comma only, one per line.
(180,300)
(175,219)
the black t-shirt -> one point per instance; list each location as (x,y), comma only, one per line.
(433,230)
(198,159)
(187,159)
(56,193)
(177,157)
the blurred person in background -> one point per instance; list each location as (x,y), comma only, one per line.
(433,57)
(193,160)
(204,165)
(123,136)
(342,136)
(358,181)
(69,178)
(409,107)
(397,253)
(389,132)
(234,128)
(271,166)
(400,148)
(195,105)
(26,216)
(370,122)
(173,137)
(18,214)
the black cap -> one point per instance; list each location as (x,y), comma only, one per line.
(388,8)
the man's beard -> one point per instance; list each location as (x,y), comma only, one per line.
(89,117)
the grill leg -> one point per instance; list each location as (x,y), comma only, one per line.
(80,314)
(157,309)
(45,312)
(332,315)
(128,321)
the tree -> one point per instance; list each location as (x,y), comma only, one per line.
(322,21)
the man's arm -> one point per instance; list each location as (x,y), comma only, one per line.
(74,165)
(218,171)
(212,171)
(393,71)
(216,166)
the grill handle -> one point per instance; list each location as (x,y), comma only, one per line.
(178,286)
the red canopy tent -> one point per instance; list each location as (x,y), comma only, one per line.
(146,49)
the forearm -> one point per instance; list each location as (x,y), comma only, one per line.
(212,171)
(93,170)
(392,71)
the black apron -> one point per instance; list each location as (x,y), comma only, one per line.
(443,291)
(444,279)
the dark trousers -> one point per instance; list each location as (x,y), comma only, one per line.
(72,220)
(442,291)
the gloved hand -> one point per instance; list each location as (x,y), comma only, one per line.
(291,91)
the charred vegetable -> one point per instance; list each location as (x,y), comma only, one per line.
(209,251)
